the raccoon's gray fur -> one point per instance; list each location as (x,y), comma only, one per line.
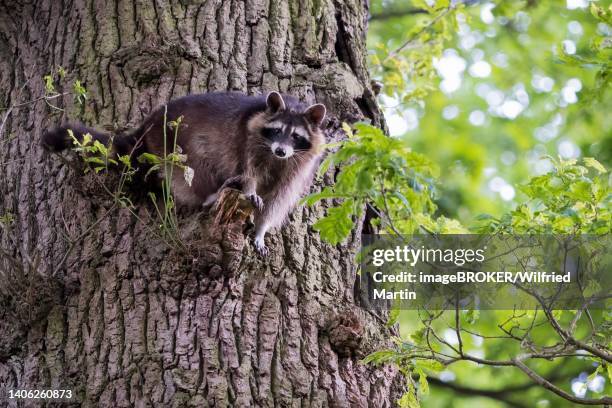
(269,146)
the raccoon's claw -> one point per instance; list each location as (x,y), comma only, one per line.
(261,247)
(232,182)
(256,201)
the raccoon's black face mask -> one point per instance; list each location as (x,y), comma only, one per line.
(285,140)
(289,132)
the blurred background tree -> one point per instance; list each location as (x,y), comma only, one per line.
(486,89)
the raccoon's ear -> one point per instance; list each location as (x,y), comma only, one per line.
(315,114)
(275,102)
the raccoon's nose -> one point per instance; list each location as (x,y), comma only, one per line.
(280,152)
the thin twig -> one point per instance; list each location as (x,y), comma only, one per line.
(426,27)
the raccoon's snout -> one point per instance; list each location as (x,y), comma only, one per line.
(281,151)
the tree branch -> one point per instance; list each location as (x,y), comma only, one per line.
(499,395)
(551,387)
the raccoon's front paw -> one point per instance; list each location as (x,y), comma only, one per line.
(232,182)
(256,201)
(261,247)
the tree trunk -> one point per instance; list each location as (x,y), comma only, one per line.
(91,298)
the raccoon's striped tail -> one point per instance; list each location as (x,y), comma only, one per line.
(58,139)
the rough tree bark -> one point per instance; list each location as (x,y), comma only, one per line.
(90,299)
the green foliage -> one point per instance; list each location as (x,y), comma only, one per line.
(409,399)
(80,93)
(596,56)
(93,152)
(412,364)
(385,174)
(338,223)
(172,159)
(570,199)
(407,70)
(393,317)
(49,85)
(544,91)
(99,157)
(53,81)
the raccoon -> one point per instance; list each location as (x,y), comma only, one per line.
(268,146)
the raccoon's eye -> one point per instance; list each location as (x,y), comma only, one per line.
(271,133)
(298,137)
(300,142)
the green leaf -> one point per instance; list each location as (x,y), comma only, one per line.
(430,365)
(87,138)
(393,316)
(80,92)
(380,357)
(601,13)
(423,384)
(337,224)
(562,224)
(95,160)
(364,180)
(591,162)
(581,190)
(125,159)
(326,193)
(472,315)
(593,288)
(409,398)
(101,148)
(592,376)
(419,335)
(149,158)
(329,160)
(347,129)
(49,86)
